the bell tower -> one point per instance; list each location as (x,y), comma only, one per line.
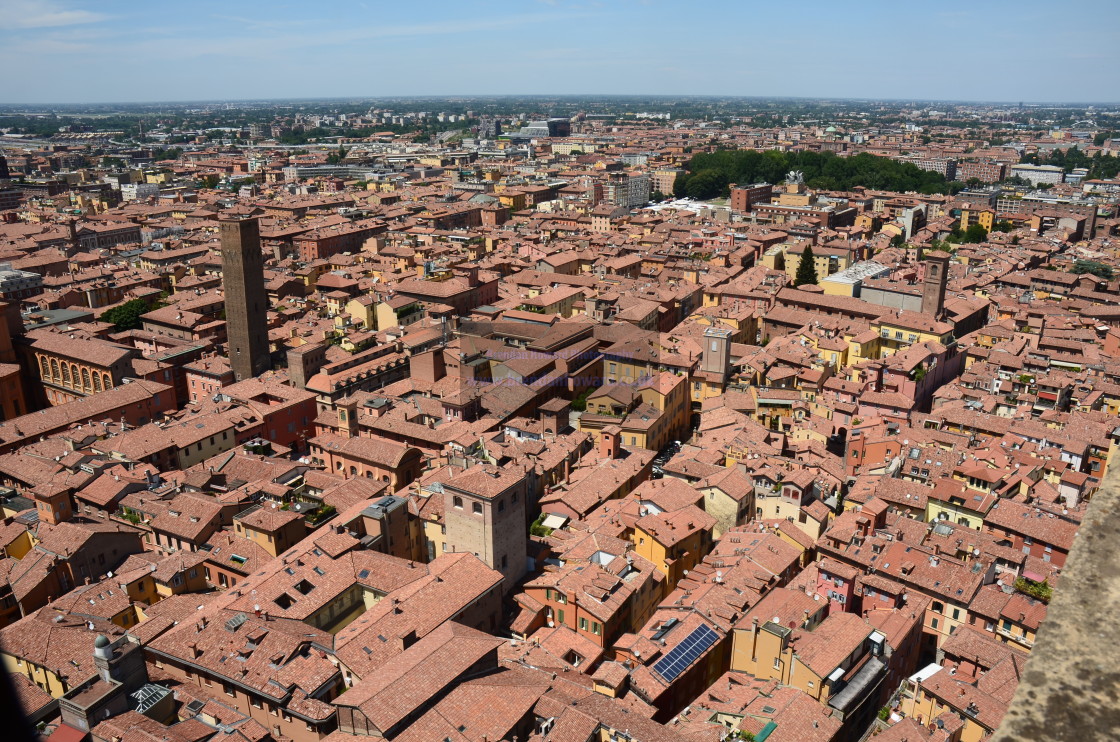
(717,352)
(934,282)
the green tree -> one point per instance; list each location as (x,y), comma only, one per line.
(975,233)
(680,186)
(127,315)
(579,404)
(821,170)
(210,181)
(538,528)
(336,157)
(1003,226)
(1093,267)
(806,269)
(706,184)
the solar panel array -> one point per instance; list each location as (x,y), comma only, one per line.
(684,654)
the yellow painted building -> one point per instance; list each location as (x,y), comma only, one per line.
(665,392)
(674,542)
(39,675)
(900,330)
(983,217)
(363,311)
(20,545)
(953,502)
(272,529)
(764,650)
(924,706)
(513,200)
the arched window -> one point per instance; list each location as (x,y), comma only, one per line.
(476,508)
(66,373)
(338,465)
(97,382)
(457,502)
(44,368)
(54,368)
(85,379)
(353,470)
(106,382)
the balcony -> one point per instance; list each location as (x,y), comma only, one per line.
(1017,638)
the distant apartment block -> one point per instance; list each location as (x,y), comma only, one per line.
(985,172)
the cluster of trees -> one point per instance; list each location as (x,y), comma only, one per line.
(1094,267)
(1099,165)
(709,174)
(171,153)
(974,235)
(127,315)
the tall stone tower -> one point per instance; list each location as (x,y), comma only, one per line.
(716,358)
(934,282)
(246,301)
(484,513)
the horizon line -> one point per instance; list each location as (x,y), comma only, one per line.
(577,96)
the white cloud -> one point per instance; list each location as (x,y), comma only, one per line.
(43,14)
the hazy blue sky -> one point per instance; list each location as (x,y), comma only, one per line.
(142,50)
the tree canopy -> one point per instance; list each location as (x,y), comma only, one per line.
(975,234)
(806,269)
(127,315)
(336,157)
(1099,165)
(1094,267)
(709,174)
